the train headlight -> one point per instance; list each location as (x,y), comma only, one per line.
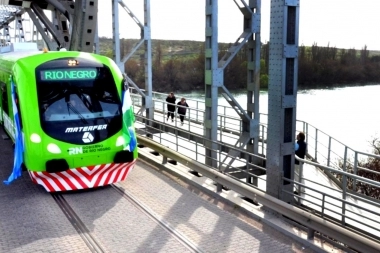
(72,62)
(120,141)
(53,148)
(35,138)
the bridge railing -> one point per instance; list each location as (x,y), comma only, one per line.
(342,221)
(338,205)
(322,148)
(227,124)
(236,162)
(335,206)
(328,151)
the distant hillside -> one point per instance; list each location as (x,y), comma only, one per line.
(180,65)
(169,48)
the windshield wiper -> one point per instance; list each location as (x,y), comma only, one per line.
(70,106)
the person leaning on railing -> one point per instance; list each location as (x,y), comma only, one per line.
(301,149)
(302,146)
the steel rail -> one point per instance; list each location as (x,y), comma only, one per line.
(164,224)
(77,223)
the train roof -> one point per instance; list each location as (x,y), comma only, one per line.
(18,52)
(9,54)
(28,55)
(15,51)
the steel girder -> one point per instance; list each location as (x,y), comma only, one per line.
(67,16)
(215,83)
(147,100)
(213,80)
(282,96)
(84,25)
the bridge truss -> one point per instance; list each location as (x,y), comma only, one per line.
(72,24)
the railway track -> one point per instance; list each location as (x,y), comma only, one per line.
(164,224)
(92,243)
(95,245)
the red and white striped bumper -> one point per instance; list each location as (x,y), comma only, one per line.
(82,177)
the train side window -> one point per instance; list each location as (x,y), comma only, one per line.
(17,101)
(4,98)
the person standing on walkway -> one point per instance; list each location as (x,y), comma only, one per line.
(301,150)
(182,107)
(302,146)
(170,99)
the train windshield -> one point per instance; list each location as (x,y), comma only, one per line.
(78,104)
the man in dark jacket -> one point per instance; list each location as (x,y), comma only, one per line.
(170,99)
(301,150)
(182,107)
(302,146)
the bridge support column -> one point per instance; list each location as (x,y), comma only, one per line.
(6,36)
(148,101)
(62,28)
(116,35)
(213,80)
(52,45)
(252,23)
(84,25)
(19,29)
(147,98)
(282,97)
(57,36)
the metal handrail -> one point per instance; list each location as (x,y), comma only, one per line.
(186,148)
(359,178)
(353,240)
(314,147)
(317,148)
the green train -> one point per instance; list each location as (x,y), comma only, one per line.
(70,116)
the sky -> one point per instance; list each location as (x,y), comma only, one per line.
(339,23)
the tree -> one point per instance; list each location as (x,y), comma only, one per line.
(368,168)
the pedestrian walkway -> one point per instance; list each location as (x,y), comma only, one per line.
(211,221)
(320,194)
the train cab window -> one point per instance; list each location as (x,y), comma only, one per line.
(4,98)
(78,101)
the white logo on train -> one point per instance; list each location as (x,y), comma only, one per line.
(75,151)
(85,129)
(87,137)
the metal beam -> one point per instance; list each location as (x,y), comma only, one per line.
(282,96)
(147,100)
(62,28)
(214,76)
(84,25)
(9,15)
(49,26)
(52,45)
(6,36)
(252,20)
(19,29)
(116,34)
(59,7)
(213,80)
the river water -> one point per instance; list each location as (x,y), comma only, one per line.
(351,115)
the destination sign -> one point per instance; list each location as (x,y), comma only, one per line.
(69,74)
